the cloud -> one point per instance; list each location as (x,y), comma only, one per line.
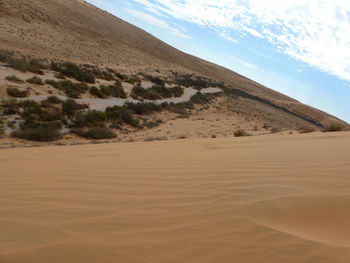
(155,22)
(315,32)
(244,63)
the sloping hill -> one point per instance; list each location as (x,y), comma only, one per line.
(73,30)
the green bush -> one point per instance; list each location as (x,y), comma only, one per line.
(95,133)
(148,94)
(142,108)
(14,92)
(122,115)
(177,91)
(13,78)
(38,134)
(35,80)
(97,92)
(240,133)
(89,119)
(199,98)
(54,100)
(74,71)
(10,107)
(116,90)
(70,107)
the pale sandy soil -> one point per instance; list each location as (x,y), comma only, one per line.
(259,199)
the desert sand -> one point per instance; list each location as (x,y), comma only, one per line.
(265,198)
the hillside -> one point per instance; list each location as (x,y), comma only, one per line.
(75,31)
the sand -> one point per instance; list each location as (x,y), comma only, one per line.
(259,199)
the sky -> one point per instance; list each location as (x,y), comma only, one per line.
(300,48)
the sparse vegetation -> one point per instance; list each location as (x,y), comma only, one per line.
(35,80)
(240,133)
(73,90)
(16,93)
(142,108)
(38,134)
(14,78)
(95,133)
(72,70)
(122,115)
(306,129)
(333,127)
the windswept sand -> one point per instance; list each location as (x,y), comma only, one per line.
(259,199)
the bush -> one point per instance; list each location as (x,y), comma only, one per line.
(70,107)
(38,134)
(116,90)
(35,80)
(90,119)
(122,115)
(74,71)
(177,91)
(10,107)
(199,98)
(95,133)
(97,92)
(13,78)
(148,94)
(14,92)
(240,133)
(54,100)
(333,127)
(154,80)
(142,108)
(73,90)
(306,129)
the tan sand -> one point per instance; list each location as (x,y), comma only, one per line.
(273,199)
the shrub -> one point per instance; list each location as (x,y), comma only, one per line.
(155,80)
(59,76)
(121,114)
(95,133)
(73,90)
(54,84)
(148,94)
(142,108)
(306,129)
(333,127)
(38,134)
(70,107)
(90,119)
(240,133)
(74,71)
(177,91)
(10,107)
(97,92)
(116,90)
(13,78)
(14,92)
(53,100)
(35,80)
(199,98)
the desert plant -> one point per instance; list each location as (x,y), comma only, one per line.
(53,100)
(142,108)
(89,119)
(333,127)
(122,115)
(306,129)
(38,134)
(148,94)
(74,71)
(95,133)
(240,133)
(13,78)
(15,92)
(35,80)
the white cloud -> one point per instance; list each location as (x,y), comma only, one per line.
(244,63)
(313,31)
(156,22)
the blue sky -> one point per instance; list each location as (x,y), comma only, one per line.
(300,48)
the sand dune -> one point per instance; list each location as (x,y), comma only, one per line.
(258,199)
